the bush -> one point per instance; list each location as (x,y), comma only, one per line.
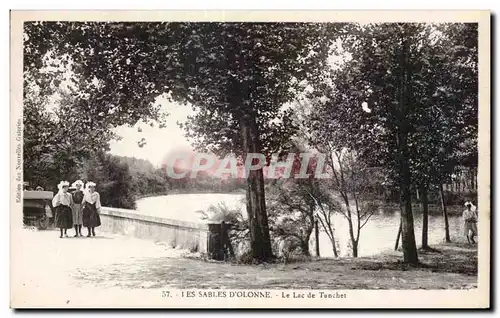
(246,258)
(287,248)
(238,231)
(193,248)
(221,212)
(173,243)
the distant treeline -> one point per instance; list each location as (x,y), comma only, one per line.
(123,180)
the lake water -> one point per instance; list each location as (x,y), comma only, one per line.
(377,235)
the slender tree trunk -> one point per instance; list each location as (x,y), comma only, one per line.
(316,236)
(445,215)
(306,237)
(334,246)
(328,227)
(351,231)
(355,244)
(255,196)
(354,248)
(398,236)
(472,174)
(425,216)
(474,180)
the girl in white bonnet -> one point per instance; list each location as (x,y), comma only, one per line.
(91,208)
(470,222)
(62,202)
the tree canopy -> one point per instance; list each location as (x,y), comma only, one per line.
(237,75)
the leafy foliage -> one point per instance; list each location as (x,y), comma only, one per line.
(113,179)
(442,81)
(400,101)
(224,70)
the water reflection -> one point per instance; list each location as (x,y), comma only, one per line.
(377,235)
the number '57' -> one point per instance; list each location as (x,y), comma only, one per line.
(165,293)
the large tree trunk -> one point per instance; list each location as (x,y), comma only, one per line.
(255,196)
(408,234)
(425,216)
(445,215)
(410,255)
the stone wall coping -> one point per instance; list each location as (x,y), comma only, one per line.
(132,214)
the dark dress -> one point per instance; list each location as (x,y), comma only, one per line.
(90,216)
(77,208)
(64,218)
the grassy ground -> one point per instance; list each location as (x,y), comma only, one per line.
(447,266)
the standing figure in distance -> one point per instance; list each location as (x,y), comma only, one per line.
(77,207)
(91,208)
(62,202)
(470,222)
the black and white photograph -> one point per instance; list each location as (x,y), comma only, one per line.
(250,159)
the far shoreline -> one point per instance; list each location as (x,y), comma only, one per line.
(181,191)
(434,209)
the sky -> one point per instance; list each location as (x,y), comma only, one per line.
(159,141)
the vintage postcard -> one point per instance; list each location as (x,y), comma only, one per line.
(250,159)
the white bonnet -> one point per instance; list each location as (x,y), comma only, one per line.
(77,182)
(472,206)
(89,184)
(63,184)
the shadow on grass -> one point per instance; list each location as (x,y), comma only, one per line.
(449,258)
(450,266)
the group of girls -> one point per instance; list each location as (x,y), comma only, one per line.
(77,209)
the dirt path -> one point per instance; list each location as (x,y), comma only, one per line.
(111,261)
(373,273)
(43,263)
